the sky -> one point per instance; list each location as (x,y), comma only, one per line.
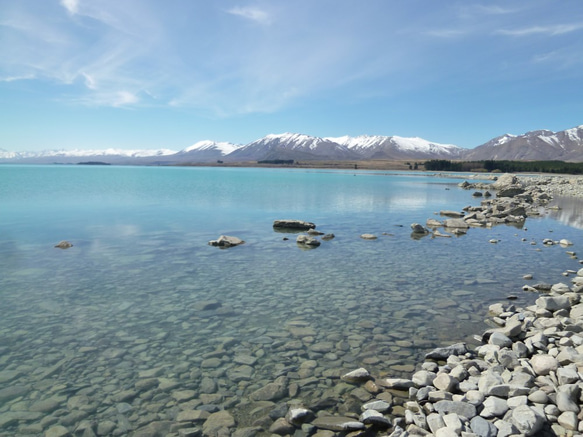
(149,74)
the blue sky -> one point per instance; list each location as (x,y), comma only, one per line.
(150,74)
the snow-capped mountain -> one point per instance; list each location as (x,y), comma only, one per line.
(291,146)
(398,148)
(565,145)
(112,156)
(205,151)
(537,145)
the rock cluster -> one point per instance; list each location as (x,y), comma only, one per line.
(525,379)
(516,199)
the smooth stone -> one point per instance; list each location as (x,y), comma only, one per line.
(358,375)
(459,408)
(494,407)
(452,421)
(435,422)
(373,417)
(445,382)
(538,397)
(46,405)
(191,432)
(380,406)
(368,237)
(499,339)
(192,416)
(446,432)
(12,417)
(297,416)
(57,431)
(482,427)
(423,378)
(543,364)
(338,423)
(568,420)
(442,353)
(396,383)
(281,427)
(217,421)
(12,392)
(153,429)
(272,391)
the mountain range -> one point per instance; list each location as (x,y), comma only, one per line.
(565,145)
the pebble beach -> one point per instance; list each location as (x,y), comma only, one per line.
(519,377)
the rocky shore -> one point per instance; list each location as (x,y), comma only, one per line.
(524,379)
(185,377)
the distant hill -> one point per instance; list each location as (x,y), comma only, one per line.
(538,145)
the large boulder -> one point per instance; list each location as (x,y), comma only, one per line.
(296,225)
(505,181)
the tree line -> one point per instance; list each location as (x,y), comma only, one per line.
(505,166)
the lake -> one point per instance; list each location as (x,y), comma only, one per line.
(142,319)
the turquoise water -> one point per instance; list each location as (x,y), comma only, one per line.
(140,271)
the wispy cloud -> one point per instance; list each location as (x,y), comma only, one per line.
(557,29)
(254,14)
(72,6)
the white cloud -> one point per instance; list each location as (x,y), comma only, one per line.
(72,6)
(558,29)
(253,14)
(124,98)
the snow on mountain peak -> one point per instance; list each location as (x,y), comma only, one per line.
(223,147)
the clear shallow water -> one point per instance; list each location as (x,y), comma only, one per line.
(130,295)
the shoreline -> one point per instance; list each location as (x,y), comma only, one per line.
(523,379)
(250,380)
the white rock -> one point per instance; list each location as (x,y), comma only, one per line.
(453,422)
(543,364)
(435,422)
(358,375)
(445,382)
(517,401)
(568,420)
(527,420)
(423,378)
(446,432)
(494,407)
(560,288)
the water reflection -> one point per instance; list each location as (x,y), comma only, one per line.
(570,212)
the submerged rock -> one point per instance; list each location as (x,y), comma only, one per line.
(306,240)
(225,241)
(63,244)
